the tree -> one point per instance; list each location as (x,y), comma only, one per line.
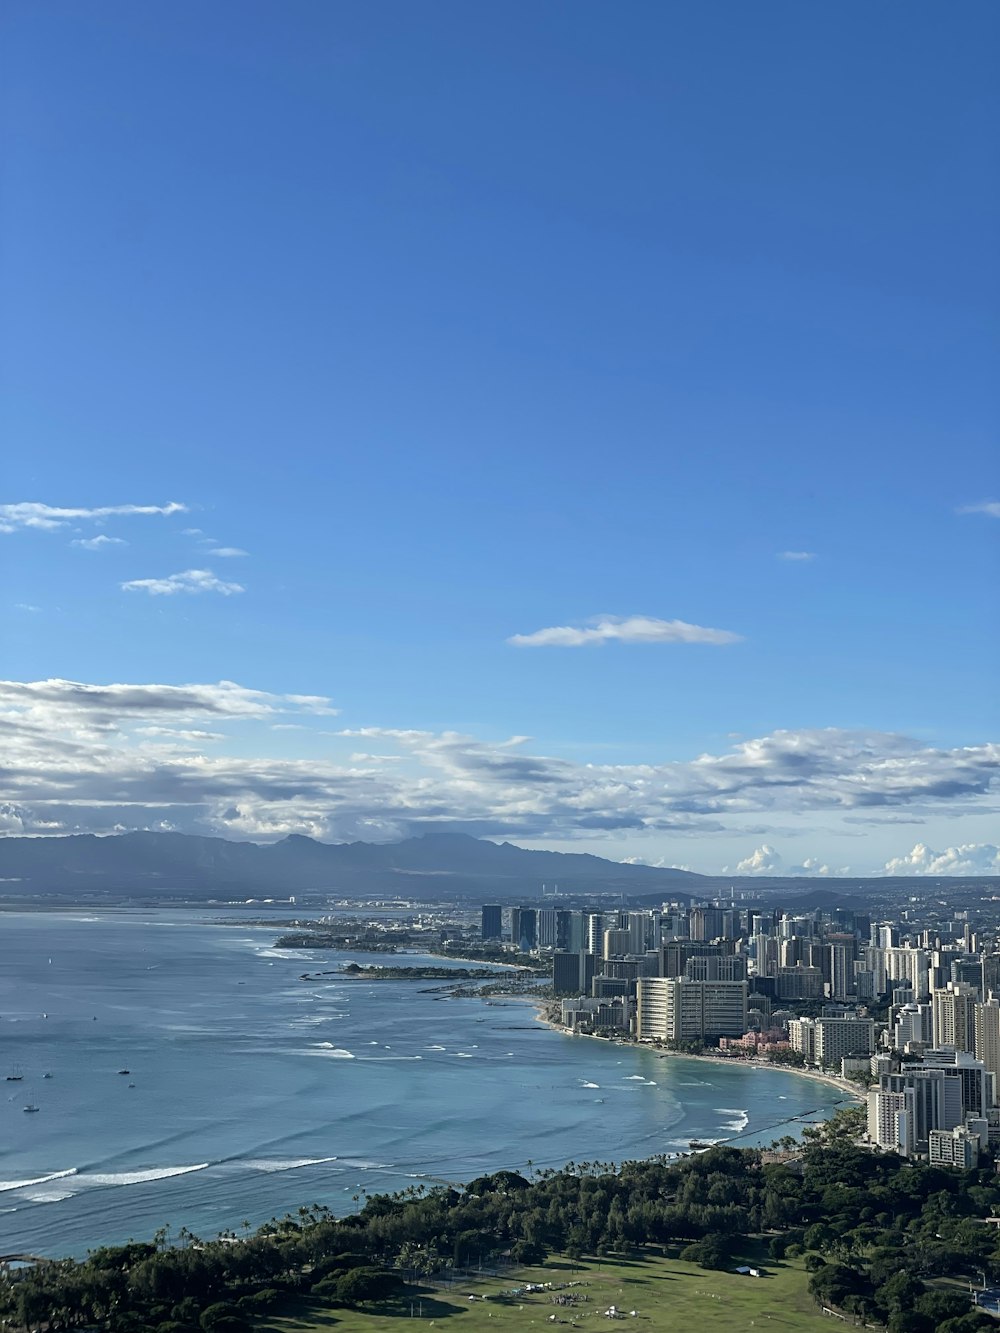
(367,1284)
(712,1251)
(223,1317)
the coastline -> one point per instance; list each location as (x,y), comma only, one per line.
(833,1080)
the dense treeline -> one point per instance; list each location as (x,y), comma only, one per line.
(879,1234)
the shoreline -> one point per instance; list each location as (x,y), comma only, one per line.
(832,1080)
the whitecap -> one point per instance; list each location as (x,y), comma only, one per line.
(738,1125)
(426,1048)
(387,1059)
(334,1052)
(286,1164)
(464,1055)
(138,1177)
(37,1180)
(635,1078)
(589,1085)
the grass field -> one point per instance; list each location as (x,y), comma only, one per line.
(665,1293)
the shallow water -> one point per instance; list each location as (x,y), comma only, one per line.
(256,1091)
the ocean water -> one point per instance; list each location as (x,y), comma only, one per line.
(256,1091)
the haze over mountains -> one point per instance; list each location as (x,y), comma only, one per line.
(433,867)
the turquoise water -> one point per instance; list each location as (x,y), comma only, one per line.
(256,1091)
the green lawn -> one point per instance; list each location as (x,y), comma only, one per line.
(665,1293)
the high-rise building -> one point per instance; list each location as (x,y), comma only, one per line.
(594,927)
(569,930)
(616,943)
(926,1098)
(569,974)
(841,969)
(987,1034)
(826,1041)
(546,927)
(913,1023)
(953,1147)
(492,922)
(989,980)
(911,967)
(716,967)
(706,923)
(977,1083)
(524,928)
(953,1016)
(676,1009)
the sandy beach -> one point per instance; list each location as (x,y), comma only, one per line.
(834,1080)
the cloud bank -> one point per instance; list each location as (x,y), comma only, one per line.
(622,629)
(970,858)
(99,758)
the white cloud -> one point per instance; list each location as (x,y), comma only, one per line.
(227,552)
(991,507)
(189,580)
(623,629)
(796,555)
(99,542)
(812,865)
(762,861)
(31,514)
(972,858)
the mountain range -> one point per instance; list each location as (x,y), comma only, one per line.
(431,867)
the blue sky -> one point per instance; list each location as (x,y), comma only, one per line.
(468,322)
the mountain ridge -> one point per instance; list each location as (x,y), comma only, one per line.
(430,866)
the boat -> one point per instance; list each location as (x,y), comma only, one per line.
(31,1107)
(15,1074)
(46,1076)
(124,1071)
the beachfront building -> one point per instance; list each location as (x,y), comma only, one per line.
(679,1009)
(825,1041)
(589,1014)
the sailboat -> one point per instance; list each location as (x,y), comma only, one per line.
(31,1104)
(15,1074)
